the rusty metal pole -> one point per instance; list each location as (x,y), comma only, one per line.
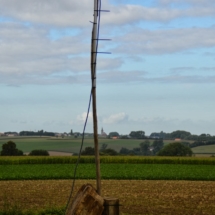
(93,76)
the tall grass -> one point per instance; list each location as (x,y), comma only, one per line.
(4,160)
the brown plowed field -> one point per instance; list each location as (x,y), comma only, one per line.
(136,197)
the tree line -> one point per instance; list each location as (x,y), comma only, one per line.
(183,135)
(36,133)
(10,149)
(145,149)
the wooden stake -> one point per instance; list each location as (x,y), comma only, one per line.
(93,75)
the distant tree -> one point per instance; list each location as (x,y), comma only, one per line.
(144,147)
(109,152)
(175,149)
(113,134)
(125,151)
(192,137)
(9,149)
(39,133)
(71,132)
(162,135)
(157,135)
(136,151)
(157,145)
(88,151)
(49,134)
(180,134)
(39,152)
(203,137)
(185,143)
(124,137)
(137,134)
(103,147)
(154,135)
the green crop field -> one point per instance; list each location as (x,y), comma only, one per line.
(116,167)
(14,160)
(109,171)
(144,185)
(209,149)
(72,145)
(27,144)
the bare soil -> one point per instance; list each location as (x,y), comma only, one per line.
(136,197)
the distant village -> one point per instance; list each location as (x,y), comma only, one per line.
(175,135)
(54,134)
(101,134)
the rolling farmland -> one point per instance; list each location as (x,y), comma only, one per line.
(137,197)
(144,185)
(109,171)
(72,145)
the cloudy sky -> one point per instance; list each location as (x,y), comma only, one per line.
(159,77)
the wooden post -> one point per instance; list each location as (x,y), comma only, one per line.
(111,206)
(93,76)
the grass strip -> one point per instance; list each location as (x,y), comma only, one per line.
(15,210)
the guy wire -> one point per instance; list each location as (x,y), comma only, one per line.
(85,124)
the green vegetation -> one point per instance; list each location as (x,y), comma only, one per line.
(9,149)
(39,152)
(72,145)
(67,144)
(175,149)
(112,167)
(146,148)
(39,133)
(104,151)
(137,134)
(113,134)
(106,160)
(109,171)
(209,149)
(17,210)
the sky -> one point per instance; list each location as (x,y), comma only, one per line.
(160,75)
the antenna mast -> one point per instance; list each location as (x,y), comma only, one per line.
(93,76)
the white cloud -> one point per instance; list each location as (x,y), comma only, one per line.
(51,12)
(30,56)
(81,118)
(74,13)
(121,76)
(128,14)
(165,41)
(28,49)
(192,2)
(115,118)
